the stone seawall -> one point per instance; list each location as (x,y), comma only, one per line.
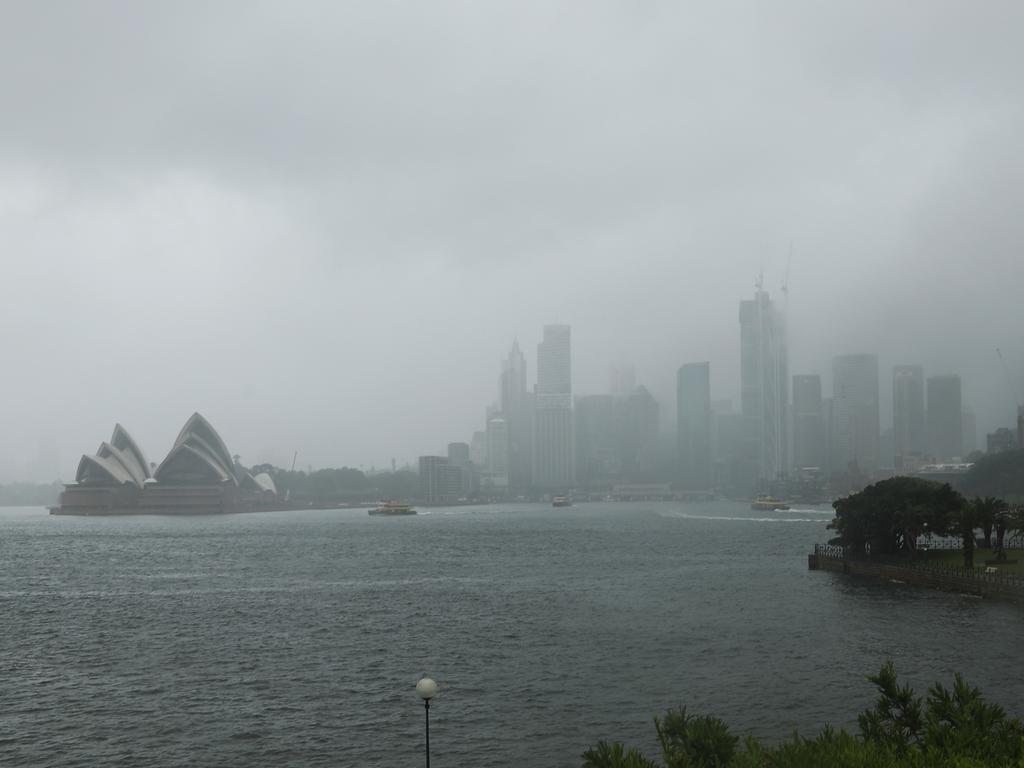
(982,585)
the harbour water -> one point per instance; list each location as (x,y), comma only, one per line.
(296,638)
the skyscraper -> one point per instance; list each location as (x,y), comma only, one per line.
(808,423)
(597,466)
(908,414)
(693,426)
(945,414)
(553,460)
(764,382)
(636,434)
(497,472)
(440,481)
(516,410)
(855,419)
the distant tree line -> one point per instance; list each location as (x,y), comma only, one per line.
(344,485)
(950,728)
(30,494)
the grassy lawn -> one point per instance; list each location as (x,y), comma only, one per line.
(954,557)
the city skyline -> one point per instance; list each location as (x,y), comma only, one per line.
(332,262)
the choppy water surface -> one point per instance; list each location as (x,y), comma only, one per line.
(296,638)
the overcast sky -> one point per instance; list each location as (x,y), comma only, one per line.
(323,224)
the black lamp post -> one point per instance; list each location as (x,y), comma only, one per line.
(427,689)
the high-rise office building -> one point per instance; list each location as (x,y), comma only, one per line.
(458,456)
(855,419)
(945,417)
(516,409)
(808,423)
(636,434)
(909,436)
(497,474)
(440,481)
(553,456)
(764,383)
(693,426)
(597,465)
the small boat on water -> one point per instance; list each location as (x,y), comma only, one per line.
(560,501)
(768,504)
(392,507)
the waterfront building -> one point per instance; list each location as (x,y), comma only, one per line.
(554,458)
(693,426)
(597,465)
(945,417)
(808,422)
(497,474)
(440,481)
(855,425)
(517,410)
(198,476)
(478,450)
(733,462)
(764,381)
(458,456)
(636,434)
(909,436)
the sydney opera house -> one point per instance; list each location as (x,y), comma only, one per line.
(198,476)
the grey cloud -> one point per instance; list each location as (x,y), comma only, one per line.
(322,224)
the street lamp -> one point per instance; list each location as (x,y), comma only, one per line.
(427,689)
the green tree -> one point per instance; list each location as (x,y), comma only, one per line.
(896,720)
(890,515)
(986,513)
(950,729)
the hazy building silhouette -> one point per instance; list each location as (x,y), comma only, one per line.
(497,474)
(945,417)
(855,425)
(909,436)
(597,466)
(517,410)
(1003,439)
(693,426)
(764,381)
(440,481)
(808,423)
(458,456)
(458,453)
(478,450)
(553,455)
(636,434)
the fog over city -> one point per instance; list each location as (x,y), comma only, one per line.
(323,225)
